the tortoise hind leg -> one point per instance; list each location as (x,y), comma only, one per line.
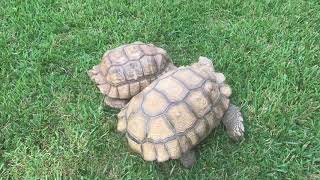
(116,103)
(188,159)
(233,121)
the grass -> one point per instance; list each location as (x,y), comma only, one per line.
(53,122)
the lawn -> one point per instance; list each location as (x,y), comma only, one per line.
(53,121)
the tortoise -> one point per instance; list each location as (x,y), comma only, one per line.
(126,70)
(177,111)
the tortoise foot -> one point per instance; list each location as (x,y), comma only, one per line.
(188,159)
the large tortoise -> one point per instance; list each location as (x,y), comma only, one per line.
(127,70)
(177,111)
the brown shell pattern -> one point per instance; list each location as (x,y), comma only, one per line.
(173,114)
(126,70)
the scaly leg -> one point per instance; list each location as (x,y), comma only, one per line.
(233,121)
(188,159)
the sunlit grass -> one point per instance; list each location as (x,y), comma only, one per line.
(53,121)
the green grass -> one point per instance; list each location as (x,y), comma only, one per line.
(52,118)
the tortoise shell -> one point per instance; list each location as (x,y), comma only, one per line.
(175,112)
(126,70)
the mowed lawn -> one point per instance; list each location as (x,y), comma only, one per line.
(53,121)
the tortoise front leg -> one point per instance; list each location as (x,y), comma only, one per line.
(188,159)
(233,121)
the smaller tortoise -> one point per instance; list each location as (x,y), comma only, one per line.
(177,111)
(127,70)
